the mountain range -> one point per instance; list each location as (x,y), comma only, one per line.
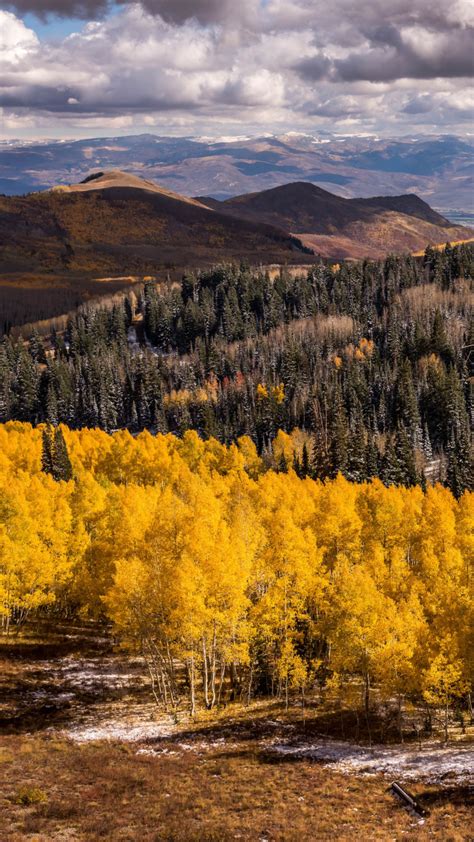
(62,245)
(439,169)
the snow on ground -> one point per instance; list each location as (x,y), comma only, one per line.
(107,698)
(132,340)
(434,762)
(90,673)
(126,724)
(199,746)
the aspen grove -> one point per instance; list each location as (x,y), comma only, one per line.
(235,581)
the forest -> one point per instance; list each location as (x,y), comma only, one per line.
(234,581)
(365,363)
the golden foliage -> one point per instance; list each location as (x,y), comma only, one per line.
(198,556)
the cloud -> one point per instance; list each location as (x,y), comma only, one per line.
(16,40)
(415,54)
(172,11)
(204,11)
(269,63)
(315,67)
(85,9)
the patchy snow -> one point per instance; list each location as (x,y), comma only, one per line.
(436,763)
(85,674)
(126,722)
(118,731)
(198,746)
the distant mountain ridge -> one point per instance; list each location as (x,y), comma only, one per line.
(439,169)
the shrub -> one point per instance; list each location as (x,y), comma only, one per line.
(28,795)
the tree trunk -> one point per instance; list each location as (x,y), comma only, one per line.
(249,691)
(192,692)
(399,717)
(470,708)
(213,668)
(221,683)
(205,673)
(367,705)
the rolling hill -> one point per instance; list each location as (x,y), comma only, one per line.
(115,223)
(338,228)
(64,245)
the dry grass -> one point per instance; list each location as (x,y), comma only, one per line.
(106,791)
(213,779)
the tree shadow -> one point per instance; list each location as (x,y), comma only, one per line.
(457,796)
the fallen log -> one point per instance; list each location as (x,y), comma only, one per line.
(408,799)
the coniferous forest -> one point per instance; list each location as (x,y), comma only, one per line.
(366,365)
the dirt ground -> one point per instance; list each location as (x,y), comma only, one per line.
(85,755)
(110,791)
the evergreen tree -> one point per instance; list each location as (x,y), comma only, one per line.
(62,468)
(406,459)
(47,450)
(390,469)
(339,436)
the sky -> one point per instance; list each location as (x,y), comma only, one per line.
(81,68)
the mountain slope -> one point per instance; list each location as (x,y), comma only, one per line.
(336,227)
(114,223)
(116,179)
(69,243)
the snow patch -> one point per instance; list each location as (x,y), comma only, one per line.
(119,722)
(118,731)
(431,762)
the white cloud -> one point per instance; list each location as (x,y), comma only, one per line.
(282,63)
(16,40)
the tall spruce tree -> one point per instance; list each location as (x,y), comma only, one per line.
(47,450)
(62,468)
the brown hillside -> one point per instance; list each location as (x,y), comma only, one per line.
(119,225)
(337,227)
(56,244)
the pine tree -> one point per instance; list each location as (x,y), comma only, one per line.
(62,468)
(408,474)
(47,459)
(339,436)
(305,461)
(390,469)
(372,456)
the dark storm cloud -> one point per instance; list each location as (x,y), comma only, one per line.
(204,11)
(44,97)
(451,56)
(391,54)
(86,9)
(315,68)
(172,11)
